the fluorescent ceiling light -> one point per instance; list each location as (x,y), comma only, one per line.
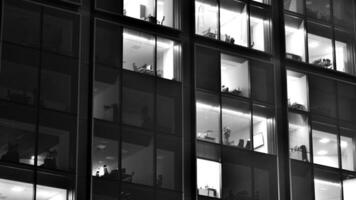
(17,189)
(343,144)
(322,153)
(324,140)
(313,44)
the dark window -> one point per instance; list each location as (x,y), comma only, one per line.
(344,12)
(294,5)
(301,181)
(319,9)
(262,82)
(322,96)
(344,51)
(109,5)
(207,68)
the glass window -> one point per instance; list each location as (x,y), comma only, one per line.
(233,22)
(166,9)
(109,5)
(50,193)
(16,190)
(299,145)
(349,185)
(343,11)
(208,117)
(297,91)
(135,111)
(208,151)
(21,23)
(236,123)
(235,75)
(209,178)
(343,51)
(60,32)
(206,18)
(59,82)
(237,183)
(262,1)
(105,189)
(135,192)
(169,164)
(325,144)
(260,29)
(137,43)
(168,59)
(322,96)
(348,150)
(262,81)
(294,6)
(346,103)
(295,38)
(301,181)
(327,185)
(144,10)
(137,147)
(106,94)
(263,130)
(207,68)
(19,74)
(56,143)
(108,44)
(320,46)
(318,9)
(17,134)
(169,108)
(105,150)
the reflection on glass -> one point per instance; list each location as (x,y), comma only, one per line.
(343,12)
(206,18)
(235,75)
(299,137)
(137,157)
(165,12)
(233,22)
(50,193)
(140,9)
(209,178)
(318,9)
(295,37)
(168,59)
(325,148)
(208,117)
(327,185)
(348,154)
(16,190)
(260,29)
(294,5)
(136,43)
(263,131)
(106,94)
(236,124)
(320,51)
(297,90)
(343,51)
(349,185)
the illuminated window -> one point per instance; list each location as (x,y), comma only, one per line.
(295,37)
(297,91)
(299,145)
(209,178)
(206,18)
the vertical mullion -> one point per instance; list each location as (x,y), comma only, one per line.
(155,92)
(248,25)
(219,22)
(121,75)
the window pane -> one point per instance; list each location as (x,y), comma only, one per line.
(327,185)
(60,32)
(168,59)
(137,157)
(17,134)
(233,22)
(136,43)
(349,185)
(320,46)
(237,183)
(209,178)
(208,151)
(301,180)
(166,12)
(325,145)
(105,189)
(265,181)
(319,9)
(109,5)
(262,82)
(59,82)
(16,190)
(263,130)
(136,192)
(206,18)
(208,117)
(52,193)
(262,1)
(260,29)
(235,76)
(207,68)
(344,51)
(322,96)
(294,6)
(295,38)
(19,74)
(299,146)
(236,123)
(135,111)
(22,23)
(297,91)
(348,150)
(105,150)
(144,10)
(108,44)
(106,94)
(56,143)
(347,103)
(343,11)
(169,162)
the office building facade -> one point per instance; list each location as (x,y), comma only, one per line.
(178,99)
